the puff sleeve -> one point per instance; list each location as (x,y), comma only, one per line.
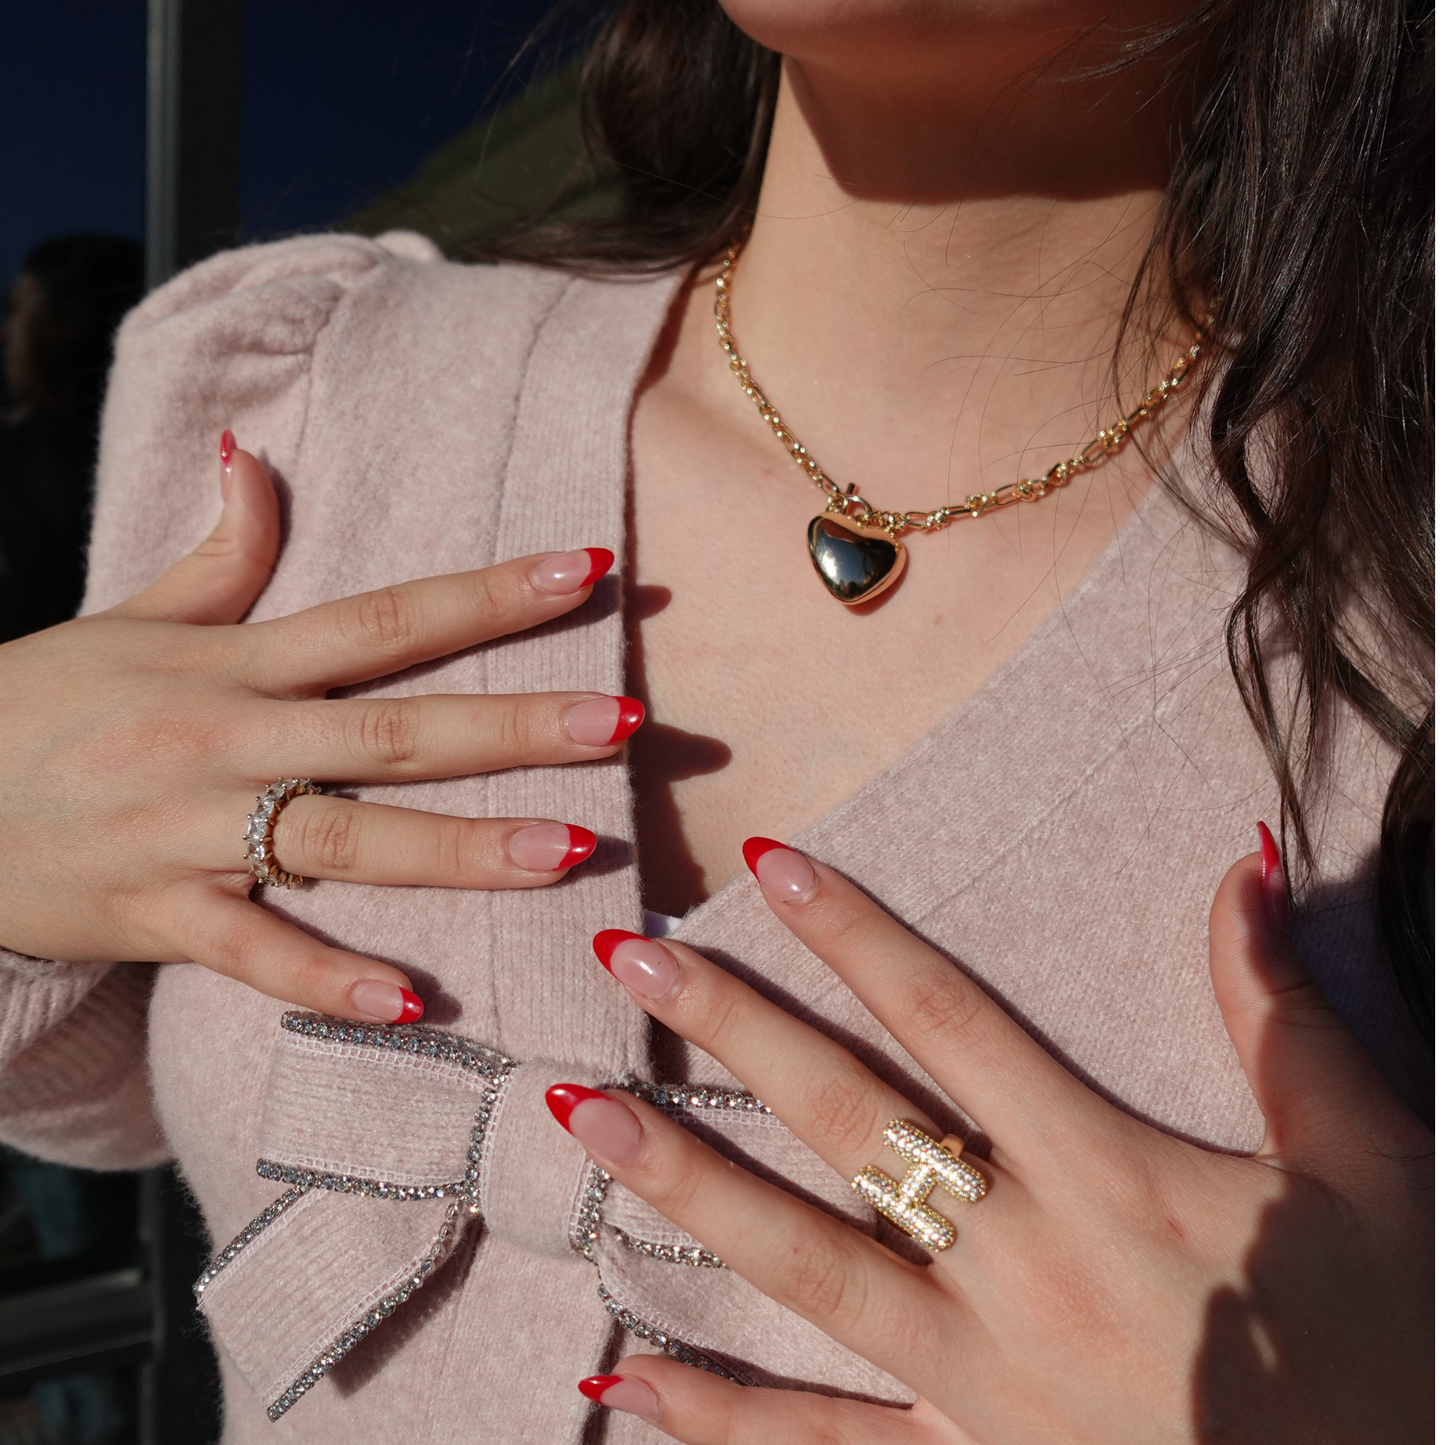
(228,343)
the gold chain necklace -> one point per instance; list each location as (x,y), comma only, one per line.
(854,545)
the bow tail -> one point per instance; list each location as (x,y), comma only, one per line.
(286,1306)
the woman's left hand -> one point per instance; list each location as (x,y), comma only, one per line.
(1115,1284)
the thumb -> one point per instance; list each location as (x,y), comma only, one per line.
(1320,1093)
(219,581)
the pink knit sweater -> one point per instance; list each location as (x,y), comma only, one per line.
(424,1275)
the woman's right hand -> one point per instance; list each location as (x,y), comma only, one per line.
(136,741)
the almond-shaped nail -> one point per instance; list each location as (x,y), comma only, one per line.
(601,721)
(1271,878)
(620,1392)
(385,1002)
(601,1125)
(785,876)
(639,963)
(548,847)
(228,450)
(566,572)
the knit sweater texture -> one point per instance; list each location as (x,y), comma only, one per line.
(1060,837)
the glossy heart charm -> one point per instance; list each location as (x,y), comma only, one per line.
(856,563)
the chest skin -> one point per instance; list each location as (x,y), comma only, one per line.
(768,701)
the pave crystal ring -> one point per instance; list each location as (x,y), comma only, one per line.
(935,1166)
(262,824)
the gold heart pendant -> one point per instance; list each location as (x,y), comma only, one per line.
(856,563)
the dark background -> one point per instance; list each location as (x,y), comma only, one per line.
(341,101)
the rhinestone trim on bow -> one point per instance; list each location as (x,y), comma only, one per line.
(490,1064)
(669,1344)
(464,1193)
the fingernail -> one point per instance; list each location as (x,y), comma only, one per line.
(784,875)
(385,1002)
(565,572)
(620,1392)
(639,963)
(548,847)
(1271,878)
(601,721)
(228,450)
(601,1125)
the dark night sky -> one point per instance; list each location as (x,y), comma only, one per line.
(342,99)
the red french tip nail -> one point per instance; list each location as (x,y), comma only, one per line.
(411,1008)
(602,561)
(754,848)
(606,942)
(228,446)
(630,713)
(1268,852)
(563,1098)
(596,1386)
(581,844)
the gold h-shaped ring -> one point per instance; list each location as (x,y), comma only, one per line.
(935,1166)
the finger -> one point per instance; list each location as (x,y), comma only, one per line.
(220,580)
(1319,1091)
(831,1101)
(863,1295)
(986,1064)
(374,634)
(241,940)
(700,1408)
(394,739)
(325,837)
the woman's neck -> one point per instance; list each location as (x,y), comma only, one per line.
(930,295)
(939,274)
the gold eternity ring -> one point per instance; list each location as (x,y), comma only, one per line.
(935,1165)
(261,825)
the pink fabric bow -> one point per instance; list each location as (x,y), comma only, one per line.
(375,1197)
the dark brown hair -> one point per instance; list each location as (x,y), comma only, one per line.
(1300,205)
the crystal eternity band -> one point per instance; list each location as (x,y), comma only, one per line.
(261,825)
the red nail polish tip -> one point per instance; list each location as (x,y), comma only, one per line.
(228,446)
(630,713)
(581,844)
(596,1386)
(754,848)
(602,561)
(1268,852)
(411,1008)
(606,941)
(563,1098)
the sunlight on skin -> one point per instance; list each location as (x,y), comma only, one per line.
(930,295)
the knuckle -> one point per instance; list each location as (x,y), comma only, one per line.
(388,731)
(459,845)
(672,1187)
(494,595)
(711,1012)
(327,838)
(516,730)
(841,1113)
(312,982)
(814,1279)
(383,620)
(942,1009)
(837,924)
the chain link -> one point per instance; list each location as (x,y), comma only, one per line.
(1029,489)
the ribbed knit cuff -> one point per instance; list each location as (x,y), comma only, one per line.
(35,995)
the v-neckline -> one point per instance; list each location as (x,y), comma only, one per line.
(1153,509)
